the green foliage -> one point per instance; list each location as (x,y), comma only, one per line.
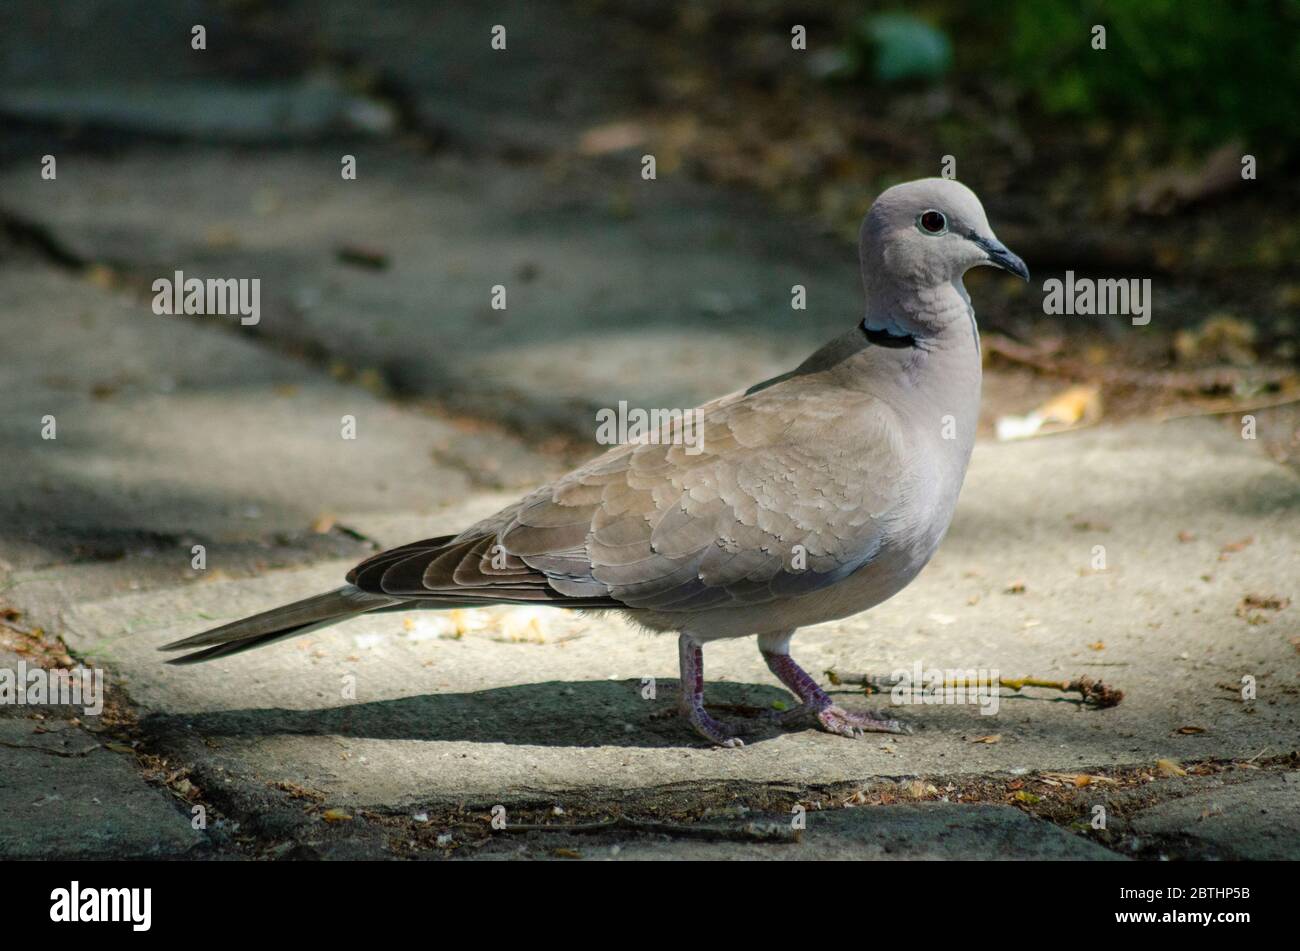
(1195,72)
(905,47)
(1205,71)
(892,48)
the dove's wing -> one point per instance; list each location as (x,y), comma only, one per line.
(789,492)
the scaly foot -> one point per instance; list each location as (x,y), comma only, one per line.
(713,730)
(837,720)
(691,703)
(818,705)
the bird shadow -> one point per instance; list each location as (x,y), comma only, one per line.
(553,713)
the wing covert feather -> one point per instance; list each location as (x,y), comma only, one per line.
(760,509)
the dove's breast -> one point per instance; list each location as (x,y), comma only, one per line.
(893,436)
(935,397)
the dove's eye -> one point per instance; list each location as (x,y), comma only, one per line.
(933,222)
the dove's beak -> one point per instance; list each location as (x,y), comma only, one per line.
(1000,255)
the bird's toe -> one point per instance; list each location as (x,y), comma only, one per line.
(715,731)
(842,722)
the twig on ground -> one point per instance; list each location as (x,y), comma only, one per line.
(1094,692)
(1228,407)
(1192,382)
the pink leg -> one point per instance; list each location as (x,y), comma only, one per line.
(817,703)
(691,701)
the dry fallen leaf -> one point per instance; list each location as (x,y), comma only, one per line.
(1253,607)
(1080,779)
(526,625)
(1233,547)
(1024,796)
(990,739)
(1264,602)
(1168,767)
(1097,646)
(1076,403)
(1080,403)
(1191,729)
(335,815)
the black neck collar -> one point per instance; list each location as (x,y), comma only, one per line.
(883,338)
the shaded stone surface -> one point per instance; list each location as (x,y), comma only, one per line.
(605,277)
(917,832)
(1258,820)
(64,794)
(94,806)
(162,430)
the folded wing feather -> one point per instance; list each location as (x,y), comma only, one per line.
(664,527)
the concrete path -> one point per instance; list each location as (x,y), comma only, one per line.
(173,434)
(541,701)
(603,274)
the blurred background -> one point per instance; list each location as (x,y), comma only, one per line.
(478,167)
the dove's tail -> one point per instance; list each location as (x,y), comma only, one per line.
(289,620)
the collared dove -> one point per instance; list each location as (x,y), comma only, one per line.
(811,496)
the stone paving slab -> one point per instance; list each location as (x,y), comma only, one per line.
(75,44)
(95,807)
(606,276)
(927,831)
(171,433)
(508,702)
(439,55)
(1259,820)
(64,794)
(161,427)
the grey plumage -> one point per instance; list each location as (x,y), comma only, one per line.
(288,620)
(814,496)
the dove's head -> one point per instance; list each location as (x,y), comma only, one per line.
(924,235)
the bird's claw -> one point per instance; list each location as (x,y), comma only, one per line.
(715,731)
(835,719)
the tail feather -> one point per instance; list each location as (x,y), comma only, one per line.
(288,620)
